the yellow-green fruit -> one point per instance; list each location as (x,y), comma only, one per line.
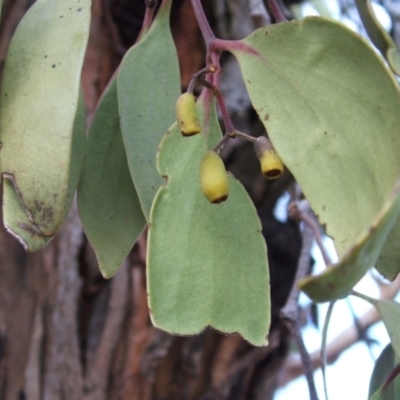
(186,114)
(271,164)
(213,178)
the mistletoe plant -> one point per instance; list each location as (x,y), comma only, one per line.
(331,108)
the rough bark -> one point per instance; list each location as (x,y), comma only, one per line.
(65,333)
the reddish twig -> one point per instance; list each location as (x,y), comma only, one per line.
(205,28)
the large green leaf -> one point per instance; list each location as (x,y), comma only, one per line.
(107,201)
(384,365)
(332,110)
(40,119)
(378,35)
(148,87)
(207,263)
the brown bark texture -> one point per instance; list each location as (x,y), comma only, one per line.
(65,332)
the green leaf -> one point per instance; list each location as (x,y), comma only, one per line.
(16,219)
(377,395)
(388,263)
(107,201)
(40,119)
(378,35)
(384,365)
(207,263)
(389,310)
(78,152)
(338,280)
(331,109)
(148,87)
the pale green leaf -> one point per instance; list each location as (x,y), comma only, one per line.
(378,35)
(389,310)
(388,263)
(377,395)
(207,263)
(39,113)
(331,108)
(384,365)
(16,220)
(148,87)
(107,201)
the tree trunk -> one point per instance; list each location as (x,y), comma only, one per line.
(65,332)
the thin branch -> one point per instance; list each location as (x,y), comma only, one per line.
(310,221)
(232,135)
(221,143)
(363,296)
(291,309)
(294,366)
(305,358)
(226,118)
(195,78)
(361,332)
(301,211)
(290,313)
(235,133)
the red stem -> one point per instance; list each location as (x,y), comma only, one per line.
(211,81)
(206,31)
(276,11)
(221,103)
(219,45)
(391,377)
(218,95)
(307,219)
(148,19)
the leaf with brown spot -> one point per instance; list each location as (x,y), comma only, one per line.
(18,220)
(341,145)
(41,118)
